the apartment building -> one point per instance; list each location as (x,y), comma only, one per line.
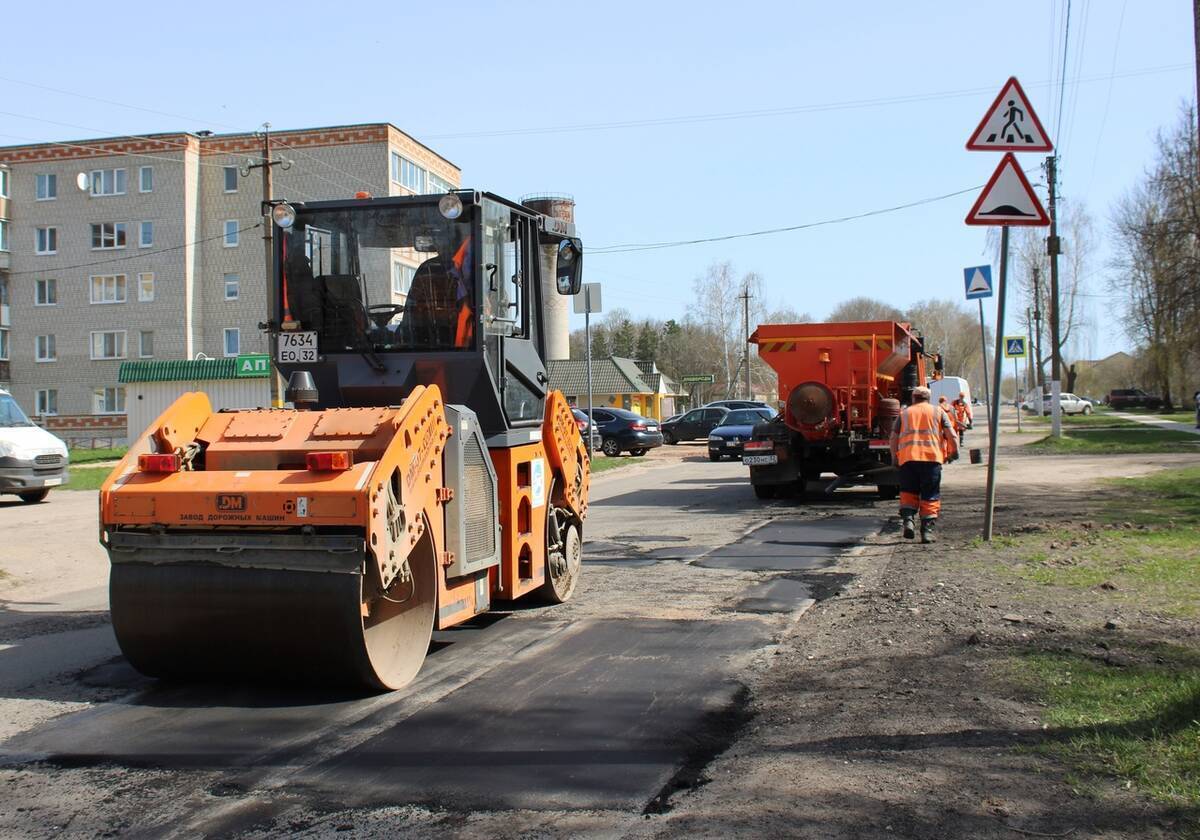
(151,248)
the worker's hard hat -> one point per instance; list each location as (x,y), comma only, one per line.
(921,393)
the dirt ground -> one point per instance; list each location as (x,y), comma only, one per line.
(883,715)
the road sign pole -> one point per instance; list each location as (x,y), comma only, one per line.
(1017,392)
(987,393)
(1001,288)
(587,334)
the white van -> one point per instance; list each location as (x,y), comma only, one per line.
(31,459)
(949,387)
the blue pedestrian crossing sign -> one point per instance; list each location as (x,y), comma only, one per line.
(978,281)
(1014,347)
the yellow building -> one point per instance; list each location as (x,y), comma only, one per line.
(618,383)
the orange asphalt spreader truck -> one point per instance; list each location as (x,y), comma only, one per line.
(841,386)
(425,471)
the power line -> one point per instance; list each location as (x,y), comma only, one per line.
(1062,87)
(783,111)
(651,246)
(139,255)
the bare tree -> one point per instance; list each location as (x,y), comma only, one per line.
(865,309)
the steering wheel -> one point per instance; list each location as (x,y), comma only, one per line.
(381,313)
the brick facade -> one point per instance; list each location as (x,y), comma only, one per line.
(187,207)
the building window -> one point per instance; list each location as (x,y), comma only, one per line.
(146,179)
(46,401)
(4,183)
(146,344)
(46,185)
(146,286)
(45,292)
(44,348)
(3,345)
(108,345)
(233,341)
(231,233)
(108,182)
(439,185)
(108,288)
(108,235)
(108,401)
(408,174)
(3,234)
(402,277)
(145,234)
(233,283)
(46,240)
(231,179)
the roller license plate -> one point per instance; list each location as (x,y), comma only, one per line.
(296,348)
(759,460)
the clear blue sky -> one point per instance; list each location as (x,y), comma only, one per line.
(462,76)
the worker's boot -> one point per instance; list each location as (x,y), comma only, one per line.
(927,524)
(908,520)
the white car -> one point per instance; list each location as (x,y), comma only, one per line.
(31,459)
(1070,403)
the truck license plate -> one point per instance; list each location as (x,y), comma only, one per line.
(297,348)
(759,460)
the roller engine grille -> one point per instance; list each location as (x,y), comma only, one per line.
(479,502)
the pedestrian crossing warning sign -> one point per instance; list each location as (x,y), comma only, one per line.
(978,281)
(1010,125)
(1008,199)
(1014,347)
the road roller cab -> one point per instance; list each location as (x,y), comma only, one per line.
(425,470)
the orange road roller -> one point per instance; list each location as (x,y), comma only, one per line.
(425,471)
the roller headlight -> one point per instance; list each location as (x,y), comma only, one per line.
(450,206)
(284,215)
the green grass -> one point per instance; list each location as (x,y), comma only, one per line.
(1098,419)
(1143,439)
(87,478)
(602,463)
(1139,723)
(87,456)
(1147,546)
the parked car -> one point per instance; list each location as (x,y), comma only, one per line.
(626,431)
(694,425)
(31,459)
(1132,398)
(1072,404)
(727,439)
(581,419)
(734,404)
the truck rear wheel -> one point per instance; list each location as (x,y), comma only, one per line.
(889,491)
(765,491)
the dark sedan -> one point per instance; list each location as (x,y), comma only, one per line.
(581,420)
(625,431)
(694,425)
(735,429)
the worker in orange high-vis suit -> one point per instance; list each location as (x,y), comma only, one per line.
(922,441)
(963,415)
(944,405)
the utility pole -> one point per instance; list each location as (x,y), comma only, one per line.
(1053,248)
(746,336)
(267,165)
(1037,322)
